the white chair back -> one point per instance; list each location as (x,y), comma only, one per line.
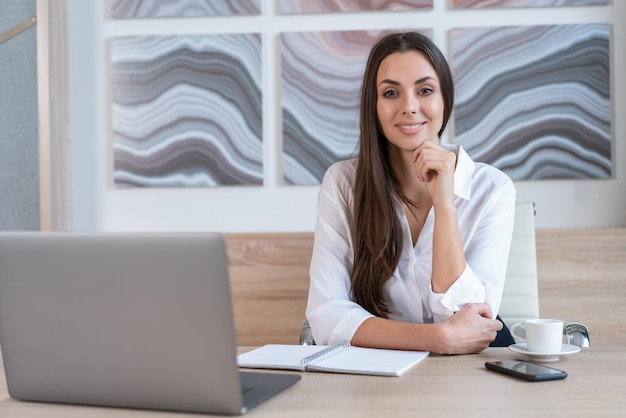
(520,299)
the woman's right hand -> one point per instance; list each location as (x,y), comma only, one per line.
(469,330)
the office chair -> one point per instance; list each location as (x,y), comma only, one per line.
(520,298)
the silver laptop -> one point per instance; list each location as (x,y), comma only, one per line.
(124,320)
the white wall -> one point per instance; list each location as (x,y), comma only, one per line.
(97,205)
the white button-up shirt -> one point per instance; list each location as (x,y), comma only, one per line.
(485,205)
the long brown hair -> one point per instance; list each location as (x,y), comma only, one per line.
(375,227)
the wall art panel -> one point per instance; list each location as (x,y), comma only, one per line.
(338,6)
(480,4)
(321,78)
(535,101)
(121,9)
(187,110)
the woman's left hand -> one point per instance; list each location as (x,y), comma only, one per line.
(435,166)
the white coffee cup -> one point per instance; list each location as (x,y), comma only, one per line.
(542,335)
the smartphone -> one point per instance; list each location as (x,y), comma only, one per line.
(526,370)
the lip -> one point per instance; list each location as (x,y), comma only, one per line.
(410,128)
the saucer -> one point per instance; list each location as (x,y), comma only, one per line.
(565,349)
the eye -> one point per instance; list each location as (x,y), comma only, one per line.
(390,93)
(425,91)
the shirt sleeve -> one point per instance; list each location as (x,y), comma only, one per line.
(332,314)
(486,245)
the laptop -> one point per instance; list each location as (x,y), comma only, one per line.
(124,320)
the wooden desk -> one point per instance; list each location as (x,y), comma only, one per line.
(439,386)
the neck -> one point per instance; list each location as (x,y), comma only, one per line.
(404,171)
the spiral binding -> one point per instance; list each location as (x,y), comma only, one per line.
(325,353)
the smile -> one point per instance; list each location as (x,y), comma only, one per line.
(412,126)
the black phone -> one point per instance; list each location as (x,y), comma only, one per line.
(526,370)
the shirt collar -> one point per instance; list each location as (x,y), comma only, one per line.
(464,171)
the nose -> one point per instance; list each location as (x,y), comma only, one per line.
(410,105)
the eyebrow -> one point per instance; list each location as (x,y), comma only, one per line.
(395,83)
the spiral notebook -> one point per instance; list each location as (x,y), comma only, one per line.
(338,358)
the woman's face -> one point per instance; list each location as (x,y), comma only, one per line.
(409,100)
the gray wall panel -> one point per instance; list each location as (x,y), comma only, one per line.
(19,167)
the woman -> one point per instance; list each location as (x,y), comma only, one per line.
(412,236)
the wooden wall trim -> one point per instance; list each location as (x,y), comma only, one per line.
(582,277)
(54,155)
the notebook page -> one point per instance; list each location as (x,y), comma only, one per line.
(358,360)
(278,356)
